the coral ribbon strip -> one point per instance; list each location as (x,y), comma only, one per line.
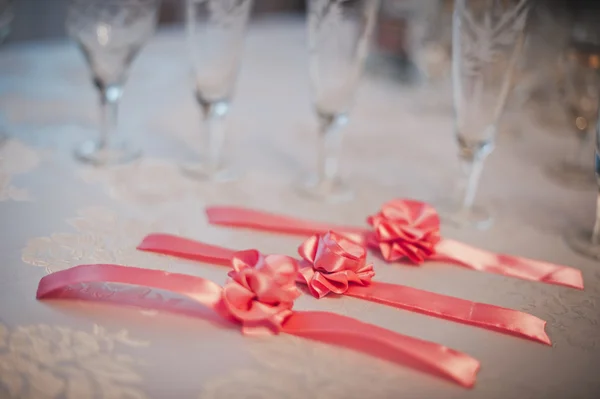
(445,250)
(503,320)
(319,326)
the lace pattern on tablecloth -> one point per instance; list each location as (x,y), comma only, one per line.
(148,182)
(100,236)
(292,367)
(573,316)
(46,362)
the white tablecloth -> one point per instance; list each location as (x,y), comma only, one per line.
(57,213)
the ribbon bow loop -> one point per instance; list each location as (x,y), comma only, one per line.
(261,290)
(405,229)
(331,262)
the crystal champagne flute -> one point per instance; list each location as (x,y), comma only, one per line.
(580,98)
(110,33)
(6,18)
(487,39)
(215,34)
(339,33)
(586,240)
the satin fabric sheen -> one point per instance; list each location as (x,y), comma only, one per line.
(340,276)
(320,326)
(412,236)
(331,263)
(492,317)
(405,229)
(261,290)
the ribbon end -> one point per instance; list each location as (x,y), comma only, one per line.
(158,243)
(148,243)
(465,373)
(185,248)
(566,276)
(537,331)
(545,339)
(542,336)
(40,292)
(212,213)
(470,374)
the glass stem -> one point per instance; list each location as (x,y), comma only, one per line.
(3,125)
(596,231)
(472,166)
(215,114)
(330,143)
(582,147)
(109,104)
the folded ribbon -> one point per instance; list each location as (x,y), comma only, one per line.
(259,295)
(405,229)
(332,263)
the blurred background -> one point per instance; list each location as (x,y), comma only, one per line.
(554,82)
(400,33)
(40,19)
(403,25)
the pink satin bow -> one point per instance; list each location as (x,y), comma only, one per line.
(259,295)
(405,229)
(261,290)
(333,264)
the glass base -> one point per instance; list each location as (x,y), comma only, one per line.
(334,191)
(93,152)
(202,173)
(456,215)
(580,241)
(572,176)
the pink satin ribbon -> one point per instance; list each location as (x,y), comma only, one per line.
(405,230)
(333,264)
(269,298)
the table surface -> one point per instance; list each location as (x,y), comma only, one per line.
(57,213)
